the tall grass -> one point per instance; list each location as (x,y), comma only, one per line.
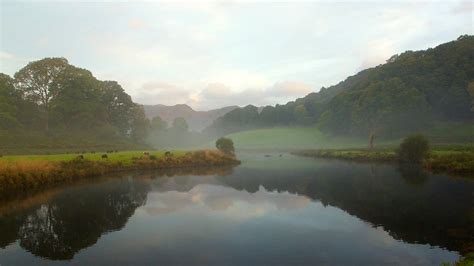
(24,174)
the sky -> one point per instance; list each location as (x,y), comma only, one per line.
(214,54)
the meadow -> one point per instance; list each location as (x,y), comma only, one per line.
(445,136)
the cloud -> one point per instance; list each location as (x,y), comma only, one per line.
(463,7)
(6,56)
(138,24)
(216,91)
(218,94)
(289,89)
(162,93)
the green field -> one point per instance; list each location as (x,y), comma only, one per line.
(294,138)
(297,138)
(125,157)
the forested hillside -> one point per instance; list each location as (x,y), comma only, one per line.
(52,104)
(411,91)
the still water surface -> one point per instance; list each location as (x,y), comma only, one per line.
(278,210)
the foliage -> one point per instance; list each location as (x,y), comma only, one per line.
(413,149)
(225,145)
(158,124)
(53,96)
(180,125)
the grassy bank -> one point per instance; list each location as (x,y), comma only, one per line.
(453,160)
(30,172)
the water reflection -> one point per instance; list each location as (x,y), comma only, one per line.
(281,212)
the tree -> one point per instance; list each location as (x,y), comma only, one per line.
(470,90)
(413,149)
(388,104)
(78,103)
(180,125)
(38,82)
(118,106)
(9,99)
(139,124)
(225,145)
(158,124)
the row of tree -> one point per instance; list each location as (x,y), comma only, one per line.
(409,92)
(51,95)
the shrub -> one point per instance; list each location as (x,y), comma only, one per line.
(153,157)
(413,149)
(225,145)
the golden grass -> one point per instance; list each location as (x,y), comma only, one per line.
(22,174)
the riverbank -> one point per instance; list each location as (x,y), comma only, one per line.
(35,171)
(451,160)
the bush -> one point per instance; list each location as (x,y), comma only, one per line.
(225,145)
(413,149)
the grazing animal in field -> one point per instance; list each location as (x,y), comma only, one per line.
(80,157)
(104,156)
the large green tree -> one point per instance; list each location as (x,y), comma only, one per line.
(118,105)
(38,83)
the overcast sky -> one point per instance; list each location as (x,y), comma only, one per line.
(211,55)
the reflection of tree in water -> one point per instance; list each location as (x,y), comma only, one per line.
(77,218)
(436,211)
(413,174)
(57,225)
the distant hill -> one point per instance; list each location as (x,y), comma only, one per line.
(197,120)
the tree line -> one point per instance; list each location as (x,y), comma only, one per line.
(411,91)
(54,97)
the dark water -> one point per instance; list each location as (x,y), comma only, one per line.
(268,211)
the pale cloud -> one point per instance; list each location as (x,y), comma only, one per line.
(464,7)
(239,79)
(138,24)
(162,92)
(6,56)
(289,89)
(218,94)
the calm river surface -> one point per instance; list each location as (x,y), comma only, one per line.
(278,210)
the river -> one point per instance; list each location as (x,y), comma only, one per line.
(275,209)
